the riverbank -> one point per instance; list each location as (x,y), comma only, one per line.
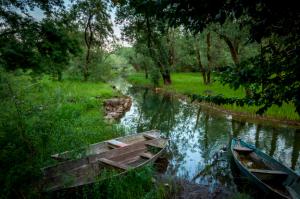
(192,83)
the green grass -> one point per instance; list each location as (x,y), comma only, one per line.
(192,83)
(40,117)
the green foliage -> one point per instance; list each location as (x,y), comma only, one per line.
(41,117)
(121,60)
(44,46)
(272,75)
(56,46)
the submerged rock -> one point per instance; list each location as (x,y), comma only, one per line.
(115,108)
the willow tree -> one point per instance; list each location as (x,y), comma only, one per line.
(93,19)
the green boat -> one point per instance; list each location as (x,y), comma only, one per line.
(267,173)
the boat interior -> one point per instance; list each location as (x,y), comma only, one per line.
(119,159)
(264,170)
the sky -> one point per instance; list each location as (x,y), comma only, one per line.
(38,15)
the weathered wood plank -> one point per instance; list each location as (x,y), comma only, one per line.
(242,149)
(114,164)
(157,145)
(147,155)
(116,143)
(150,136)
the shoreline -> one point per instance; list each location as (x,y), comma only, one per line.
(234,114)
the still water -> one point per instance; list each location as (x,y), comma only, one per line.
(198,136)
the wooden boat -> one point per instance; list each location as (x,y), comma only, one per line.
(101,147)
(85,171)
(271,176)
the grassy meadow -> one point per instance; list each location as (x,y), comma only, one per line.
(192,83)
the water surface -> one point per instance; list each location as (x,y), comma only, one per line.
(198,135)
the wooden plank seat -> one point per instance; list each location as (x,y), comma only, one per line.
(116,143)
(242,149)
(150,136)
(114,164)
(271,172)
(147,155)
(154,145)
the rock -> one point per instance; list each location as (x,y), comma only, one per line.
(115,108)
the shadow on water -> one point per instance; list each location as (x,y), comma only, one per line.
(198,138)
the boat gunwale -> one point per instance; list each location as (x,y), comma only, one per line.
(255,150)
(84,149)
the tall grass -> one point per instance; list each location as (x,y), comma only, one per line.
(135,184)
(40,117)
(192,83)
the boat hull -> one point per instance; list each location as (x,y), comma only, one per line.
(84,172)
(269,166)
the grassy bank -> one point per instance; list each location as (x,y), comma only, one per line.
(192,83)
(40,117)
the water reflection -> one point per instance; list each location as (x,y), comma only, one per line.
(296,150)
(197,134)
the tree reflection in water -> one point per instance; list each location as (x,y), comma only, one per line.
(198,133)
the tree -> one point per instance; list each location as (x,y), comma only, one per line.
(273,75)
(56,45)
(236,35)
(143,28)
(198,57)
(44,46)
(93,19)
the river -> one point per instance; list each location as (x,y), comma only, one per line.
(198,136)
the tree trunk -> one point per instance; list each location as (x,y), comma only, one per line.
(86,65)
(171,53)
(233,47)
(164,72)
(208,41)
(167,77)
(208,77)
(198,57)
(88,38)
(233,50)
(149,36)
(59,75)
(146,72)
